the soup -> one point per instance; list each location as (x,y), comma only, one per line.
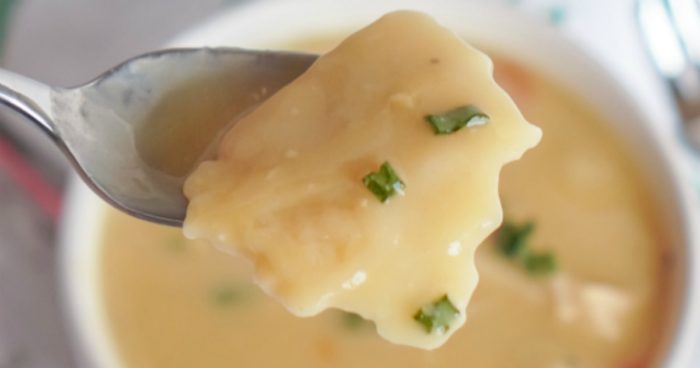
(342,194)
(173,303)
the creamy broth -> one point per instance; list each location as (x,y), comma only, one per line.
(288,190)
(173,303)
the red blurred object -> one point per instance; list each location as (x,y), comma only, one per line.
(29,179)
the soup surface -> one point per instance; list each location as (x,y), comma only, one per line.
(175,303)
(342,194)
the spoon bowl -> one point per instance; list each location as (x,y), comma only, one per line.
(136,132)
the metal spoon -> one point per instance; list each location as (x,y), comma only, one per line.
(136,132)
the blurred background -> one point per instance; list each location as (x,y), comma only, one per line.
(68,42)
(63,43)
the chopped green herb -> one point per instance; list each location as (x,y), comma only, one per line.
(176,244)
(540,263)
(227,294)
(353,321)
(454,120)
(384,183)
(436,317)
(512,239)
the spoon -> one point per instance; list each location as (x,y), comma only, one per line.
(671,32)
(136,132)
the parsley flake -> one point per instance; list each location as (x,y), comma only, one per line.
(456,119)
(540,263)
(384,183)
(436,317)
(513,241)
(353,321)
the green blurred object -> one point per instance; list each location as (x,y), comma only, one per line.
(557,15)
(6,7)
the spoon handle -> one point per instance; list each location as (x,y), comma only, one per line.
(671,30)
(28,97)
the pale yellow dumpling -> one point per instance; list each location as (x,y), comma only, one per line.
(287,193)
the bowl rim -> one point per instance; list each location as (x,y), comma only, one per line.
(84,214)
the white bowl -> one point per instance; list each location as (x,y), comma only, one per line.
(261,24)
